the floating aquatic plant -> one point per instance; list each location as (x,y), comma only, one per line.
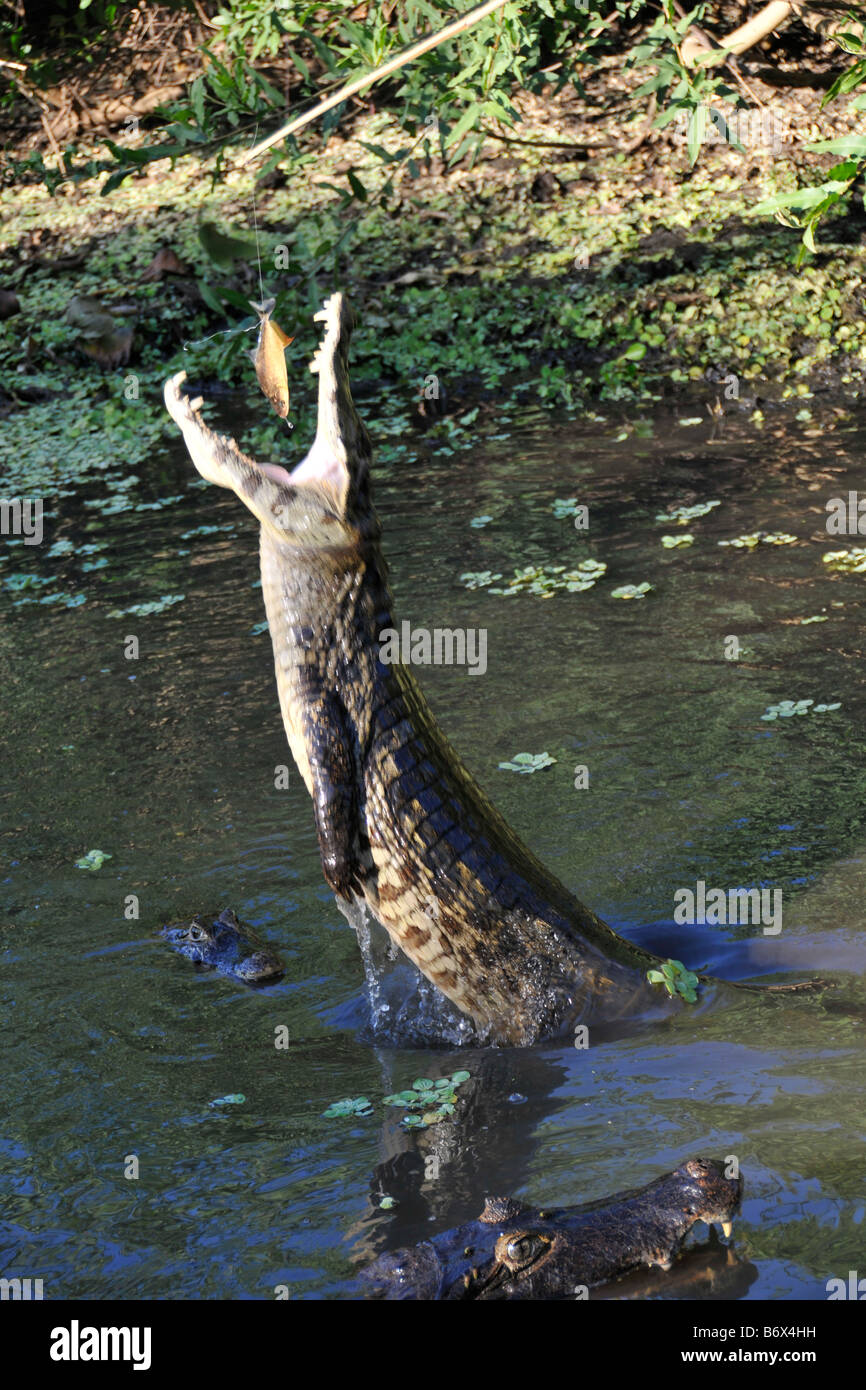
(676,980)
(760,538)
(564,506)
(158,505)
(851,561)
(92,860)
(205,531)
(546,580)
(674,542)
(236,1098)
(428,1101)
(479,579)
(142,610)
(682,515)
(528,762)
(786,709)
(632,590)
(478,521)
(341,1108)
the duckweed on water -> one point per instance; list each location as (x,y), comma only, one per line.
(479,579)
(851,561)
(627,591)
(92,860)
(425,1104)
(546,580)
(528,762)
(674,542)
(342,1108)
(564,506)
(786,709)
(682,515)
(142,610)
(676,980)
(761,538)
(428,1102)
(478,521)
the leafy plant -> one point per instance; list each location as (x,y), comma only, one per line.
(360,1106)
(528,762)
(676,980)
(632,591)
(92,860)
(428,1102)
(804,208)
(786,709)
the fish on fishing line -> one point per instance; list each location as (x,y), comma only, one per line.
(269,358)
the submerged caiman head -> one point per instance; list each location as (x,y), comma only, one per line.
(223,943)
(517,1251)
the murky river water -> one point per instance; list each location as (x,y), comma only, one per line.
(114,1047)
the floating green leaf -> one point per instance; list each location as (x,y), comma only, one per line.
(360,1106)
(92,860)
(528,762)
(627,591)
(676,980)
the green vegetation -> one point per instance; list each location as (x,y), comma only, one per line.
(536,210)
(425,1104)
(528,762)
(676,980)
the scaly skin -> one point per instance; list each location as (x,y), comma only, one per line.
(225,944)
(515,1251)
(401,824)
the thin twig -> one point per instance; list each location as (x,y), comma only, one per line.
(393,65)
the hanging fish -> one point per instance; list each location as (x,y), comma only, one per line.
(269,359)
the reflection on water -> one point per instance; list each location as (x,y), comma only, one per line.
(114,1049)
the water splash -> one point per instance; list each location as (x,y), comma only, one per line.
(405,1007)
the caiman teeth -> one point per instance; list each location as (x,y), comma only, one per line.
(727,1228)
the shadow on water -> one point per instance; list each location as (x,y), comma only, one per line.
(131,1167)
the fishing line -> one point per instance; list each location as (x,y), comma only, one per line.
(256,229)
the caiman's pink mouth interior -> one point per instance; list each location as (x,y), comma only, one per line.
(277,472)
(319,466)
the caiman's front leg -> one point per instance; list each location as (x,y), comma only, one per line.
(329,747)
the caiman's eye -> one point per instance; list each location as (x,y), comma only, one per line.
(518,1251)
(197,934)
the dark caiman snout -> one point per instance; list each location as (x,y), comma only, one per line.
(223,943)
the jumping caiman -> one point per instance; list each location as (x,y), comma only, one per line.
(516,1251)
(223,943)
(402,826)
